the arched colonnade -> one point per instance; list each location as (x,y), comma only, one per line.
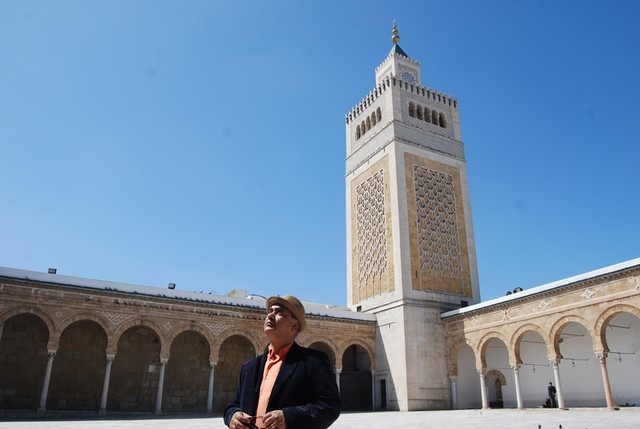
(583,338)
(57,357)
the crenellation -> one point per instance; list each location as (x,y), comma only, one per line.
(434,95)
(393,55)
(367,101)
(376,92)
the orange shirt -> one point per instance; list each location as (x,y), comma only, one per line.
(271,371)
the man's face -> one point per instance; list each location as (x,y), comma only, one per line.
(280,323)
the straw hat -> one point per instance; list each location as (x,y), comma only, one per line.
(292,304)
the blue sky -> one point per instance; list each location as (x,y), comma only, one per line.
(203,142)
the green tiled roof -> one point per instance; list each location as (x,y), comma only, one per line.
(398,50)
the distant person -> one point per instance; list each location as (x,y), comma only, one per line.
(552,395)
(288,387)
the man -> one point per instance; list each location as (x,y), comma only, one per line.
(552,395)
(288,387)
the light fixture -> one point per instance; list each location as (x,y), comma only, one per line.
(53,270)
(172,286)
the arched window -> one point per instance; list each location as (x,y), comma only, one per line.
(434,117)
(412,110)
(427,114)
(368,124)
(442,121)
(373,119)
(358,135)
(379,114)
(419,112)
(363,127)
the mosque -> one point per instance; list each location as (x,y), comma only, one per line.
(414,334)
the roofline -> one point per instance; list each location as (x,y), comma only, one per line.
(311,309)
(544,288)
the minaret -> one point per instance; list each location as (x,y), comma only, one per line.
(410,246)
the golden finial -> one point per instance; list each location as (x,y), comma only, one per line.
(395,38)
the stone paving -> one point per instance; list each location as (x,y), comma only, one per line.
(579,418)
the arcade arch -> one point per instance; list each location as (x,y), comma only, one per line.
(229,333)
(78,369)
(134,371)
(234,351)
(495,356)
(43,316)
(195,328)
(604,322)
(622,334)
(493,351)
(356,379)
(533,368)
(324,347)
(186,385)
(465,380)
(23,351)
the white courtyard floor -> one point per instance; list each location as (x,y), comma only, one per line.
(579,418)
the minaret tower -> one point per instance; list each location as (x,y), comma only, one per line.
(410,246)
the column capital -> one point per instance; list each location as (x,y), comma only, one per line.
(516,368)
(481,371)
(601,356)
(554,363)
(213,364)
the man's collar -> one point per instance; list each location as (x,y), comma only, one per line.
(282,353)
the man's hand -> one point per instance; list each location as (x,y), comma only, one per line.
(274,420)
(241,420)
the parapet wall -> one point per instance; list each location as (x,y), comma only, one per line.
(387,83)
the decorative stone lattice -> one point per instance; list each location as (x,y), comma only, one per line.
(371,229)
(587,294)
(438,239)
(216,328)
(116,318)
(543,305)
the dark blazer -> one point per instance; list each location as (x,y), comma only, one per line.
(305,390)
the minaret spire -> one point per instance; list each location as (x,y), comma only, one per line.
(395,38)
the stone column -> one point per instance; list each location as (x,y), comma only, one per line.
(163,365)
(42,408)
(212,375)
(555,363)
(516,377)
(602,357)
(483,388)
(337,372)
(453,380)
(105,386)
(373,390)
